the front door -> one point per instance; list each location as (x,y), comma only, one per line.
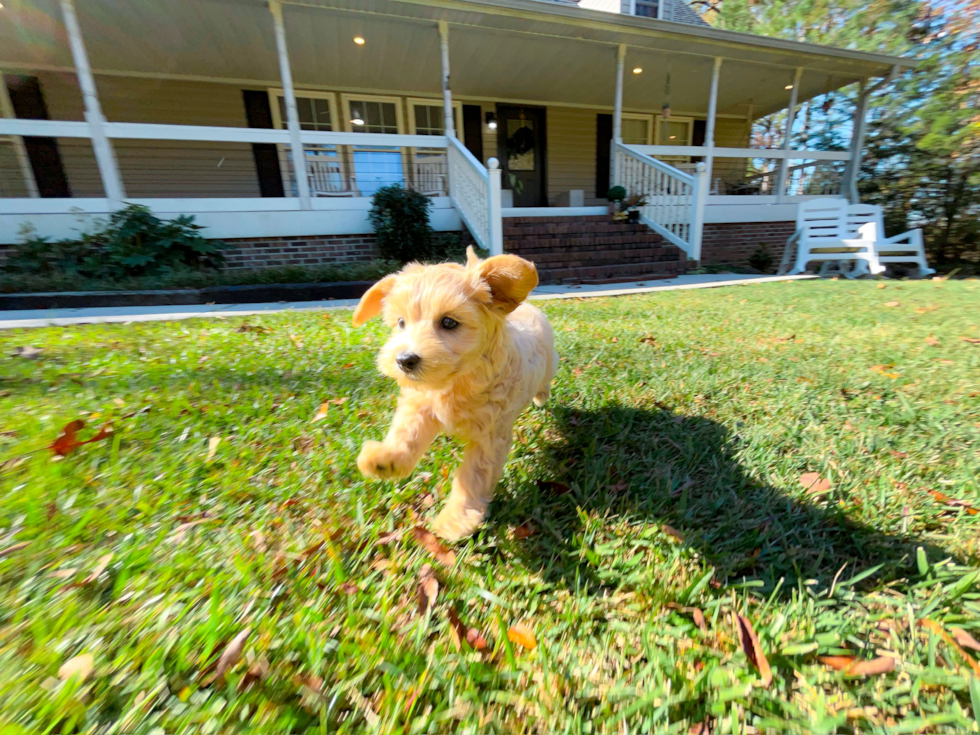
(521,149)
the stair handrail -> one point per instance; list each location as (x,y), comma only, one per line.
(475,192)
(675,200)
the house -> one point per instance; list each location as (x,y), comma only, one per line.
(515,116)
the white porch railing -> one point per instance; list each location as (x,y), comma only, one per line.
(475,192)
(674,200)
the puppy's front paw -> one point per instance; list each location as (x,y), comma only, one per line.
(454,523)
(382,461)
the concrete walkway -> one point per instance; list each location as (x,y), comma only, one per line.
(126,314)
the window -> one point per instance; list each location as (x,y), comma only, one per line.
(326,171)
(372,115)
(425,117)
(675,131)
(647,8)
(375,166)
(637,129)
(314,112)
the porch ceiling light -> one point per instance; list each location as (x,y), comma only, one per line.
(355,118)
(788,86)
(491,119)
(638,70)
(359,40)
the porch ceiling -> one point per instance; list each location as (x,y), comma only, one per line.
(504,49)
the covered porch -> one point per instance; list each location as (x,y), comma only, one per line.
(494,109)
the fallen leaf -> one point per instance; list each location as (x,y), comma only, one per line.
(953,502)
(525,530)
(303,444)
(882,285)
(694,612)
(649,340)
(938,630)
(971,340)
(554,487)
(933,342)
(230,656)
(99,568)
(848,426)
(246,327)
(181,531)
(576,371)
(80,667)
(297,342)
(14,547)
(28,352)
(701,728)
(893,303)
(522,635)
(752,647)
(812,482)
(671,531)
(428,589)
(390,538)
(67,440)
(899,455)
(873,667)
(477,641)
(349,588)
(213,443)
(965,639)
(881,368)
(64,573)
(348,366)
(256,672)
(430,543)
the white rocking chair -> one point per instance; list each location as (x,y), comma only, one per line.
(866,222)
(822,234)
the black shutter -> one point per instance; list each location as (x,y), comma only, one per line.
(28,103)
(699,132)
(259,115)
(473,130)
(603,141)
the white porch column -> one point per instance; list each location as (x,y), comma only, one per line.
(292,116)
(617,116)
(495,222)
(788,135)
(849,181)
(449,124)
(105,157)
(709,134)
(23,161)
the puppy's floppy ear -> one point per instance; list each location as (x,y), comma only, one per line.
(370,303)
(510,279)
(471,257)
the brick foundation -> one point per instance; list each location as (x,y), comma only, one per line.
(311,250)
(733,244)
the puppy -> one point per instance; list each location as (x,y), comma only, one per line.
(469,355)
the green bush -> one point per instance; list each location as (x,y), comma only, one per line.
(132,244)
(400,218)
(761,259)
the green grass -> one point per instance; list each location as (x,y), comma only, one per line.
(705,428)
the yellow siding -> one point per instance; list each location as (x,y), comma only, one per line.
(571,151)
(11,179)
(729,133)
(64,102)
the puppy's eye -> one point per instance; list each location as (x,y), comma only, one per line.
(401,323)
(449,323)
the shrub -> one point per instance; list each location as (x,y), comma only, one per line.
(400,218)
(761,259)
(133,243)
(616,194)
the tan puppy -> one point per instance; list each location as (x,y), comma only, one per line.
(469,356)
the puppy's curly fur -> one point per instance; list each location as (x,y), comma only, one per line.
(469,355)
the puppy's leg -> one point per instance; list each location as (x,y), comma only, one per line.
(412,431)
(544,391)
(473,485)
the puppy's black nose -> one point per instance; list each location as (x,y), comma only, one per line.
(408,361)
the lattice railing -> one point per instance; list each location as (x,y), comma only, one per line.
(475,192)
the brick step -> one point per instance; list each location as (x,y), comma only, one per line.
(621,273)
(584,242)
(579,258)
(556,229)
(599,250)
(539,220)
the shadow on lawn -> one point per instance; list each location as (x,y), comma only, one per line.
(650,467)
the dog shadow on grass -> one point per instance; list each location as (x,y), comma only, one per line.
(667,475)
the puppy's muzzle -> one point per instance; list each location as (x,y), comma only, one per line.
(407,362)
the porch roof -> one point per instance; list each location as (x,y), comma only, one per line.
(526,50)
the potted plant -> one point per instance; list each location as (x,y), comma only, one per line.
(632,205)
(615,196)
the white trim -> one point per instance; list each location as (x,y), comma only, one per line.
(788,133)
(722,210)
(345,100)
(694,150)
(155,131)
(448,124)
(553,211)
(46,128)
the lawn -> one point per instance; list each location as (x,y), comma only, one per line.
(804,455)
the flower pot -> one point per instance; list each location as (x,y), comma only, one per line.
(633,216)
(612,208)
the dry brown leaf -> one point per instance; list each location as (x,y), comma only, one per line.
(213,443)
(812,482)
(349,588)
(554,487)
(67,440)
(576,371)
(80,667)
(694,612)
(971,340)
(933,342)
(428,589)
(840,663)
(893,303)
(99,568)
(322,413)
(430,543)
(525,530)
(339,401)
(899,455)
(522,635)
(873,667)
(752,647)
(390,538)
(953,502)
(230,656)
(181,531)
(925,309)
(965,639)
(701,728)
(256,672)
(649,340)
(671,531)
(461,633)
(14,547)
(938,630)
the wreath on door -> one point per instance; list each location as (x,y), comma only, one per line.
(520,142)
